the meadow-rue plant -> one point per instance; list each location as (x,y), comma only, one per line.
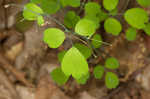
(74,61)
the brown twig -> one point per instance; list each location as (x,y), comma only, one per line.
(19,75)
(5,14)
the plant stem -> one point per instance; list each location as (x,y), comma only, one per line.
(58,22)
(81,7)
(63,26)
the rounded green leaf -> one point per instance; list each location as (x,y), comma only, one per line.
(95,19)
(50,6)
(74,63)
(97,41)
(54,37)
(61,55)
(72,3)
(31,11)
(98,71)
(136,17)
(86,52)
(110,4)
(85,27)
(147,29)
(40,20)
(144,3)
(131,34)
(112,26)
(83,79)
(92,12)
(92,8)
(58,76)
(71,19)
(111,63)
(111,80)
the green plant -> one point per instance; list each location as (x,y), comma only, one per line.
(131,34)
(111,79)
(74,60)
(144,3)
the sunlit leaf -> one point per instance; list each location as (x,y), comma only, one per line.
(136,17)
(74,63)
(40,20)
(145,3)
(110,4)
(31,11)
(54,37)
(112,26)
(85,27)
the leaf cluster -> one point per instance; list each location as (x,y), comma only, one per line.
(74,61)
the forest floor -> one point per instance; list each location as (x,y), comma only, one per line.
(26,62)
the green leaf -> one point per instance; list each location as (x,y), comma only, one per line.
(103,16)
(50,6)
(74,64)
(110,4)
(72,3)
(111,80)
(93,18)
(59,77)
(31,11)
(136,17)
(85,27)
(61,55)
(131,34)
(92,8)
(144,3)
(54,37)
(147,29)
(98,71)
(40,20)
(36,1)
(86,52)
(83,79)
(97,41)
(71,19)
(112,26)
(114,12)
(22,25)
(111,63)
(92,12)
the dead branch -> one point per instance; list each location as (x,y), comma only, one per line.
(18,74)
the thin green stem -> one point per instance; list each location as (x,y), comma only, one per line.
(56,21)
(62,25)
